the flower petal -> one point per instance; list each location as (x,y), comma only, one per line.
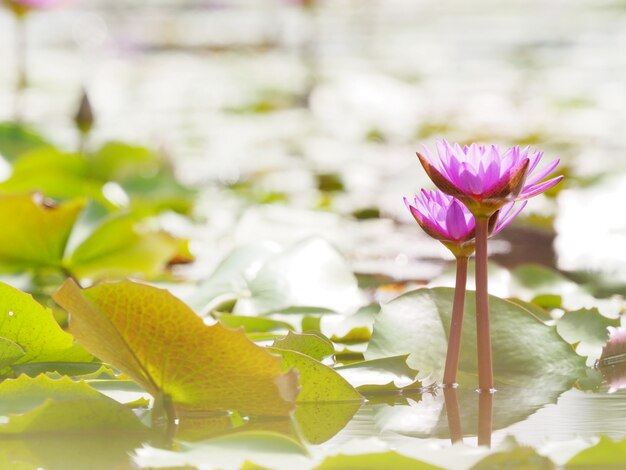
(539,188)
(440,181)
(541,174)
(509,186)
(507,215)
(456,225)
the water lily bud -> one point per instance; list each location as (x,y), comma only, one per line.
(84,118)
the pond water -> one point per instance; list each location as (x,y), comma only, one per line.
(557,426)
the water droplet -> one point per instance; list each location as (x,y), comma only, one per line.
(11,313)
(177,421)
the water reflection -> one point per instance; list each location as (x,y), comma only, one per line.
(454,415)
(485,416)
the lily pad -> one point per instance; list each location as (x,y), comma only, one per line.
(157,340)
(326,401)
(16,139)
(605,454)
(587,330)
(314,345)
(26,325)
(123,245)
(523,346)
(36,231)
(374,462)
(63,406)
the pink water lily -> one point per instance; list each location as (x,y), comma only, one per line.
(485,177)
(448,220)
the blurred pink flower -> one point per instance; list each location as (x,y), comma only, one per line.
(23,6)
(448,220)
(484,177)
(612,362)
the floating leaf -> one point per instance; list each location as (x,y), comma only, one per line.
(13,464)
(159,193)
(519,457)
(56,175)
(348,356)
(378,371)
(123,246)
(252,466)
(118,161)
(32,328)
(315,346)
(16,139)
(360,334)
(309,273)
(318,422)
(587,326)
(605,454)
(374,462)
(70,451)
(35,232)
(326,401)
(56,405)
(523,346)
(161,344)
(351,329)
(318,383)
(252,324)
(391,393)
(547,287)
(10,352)
(232,274)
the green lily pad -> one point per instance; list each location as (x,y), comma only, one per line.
(118,161)
(252,324)
(378,371)
(320,386)
(587,329)
(374,462)
(38,231)
(10,352)
(57,406)
(605,454)
(517,458)
(316,346)
(523,346)
(31,327)
(123,245)
(16,139)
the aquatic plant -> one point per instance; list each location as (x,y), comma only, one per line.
(485,179)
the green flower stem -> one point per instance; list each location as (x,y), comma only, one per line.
(456,324)
(20,58)
(485,418)
(454,415)
(483,336)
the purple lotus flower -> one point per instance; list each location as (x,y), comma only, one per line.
(448,220)
(484,177)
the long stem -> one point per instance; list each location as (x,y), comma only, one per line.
(456,324)
(20,58)
(485,418)
(483,336)
(454,415)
